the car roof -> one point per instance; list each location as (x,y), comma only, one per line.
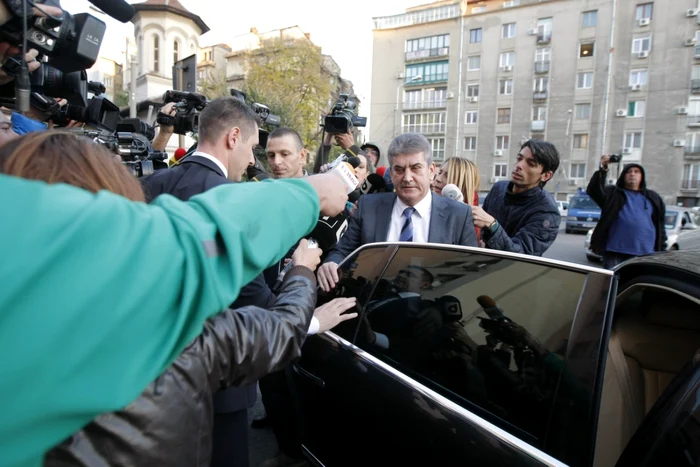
(686,262)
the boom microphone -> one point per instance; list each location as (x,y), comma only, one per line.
(452,192)
(117,9)
(490,307)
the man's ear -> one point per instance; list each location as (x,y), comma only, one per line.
(431,169)
(546,176)
(232,137)
(304,153)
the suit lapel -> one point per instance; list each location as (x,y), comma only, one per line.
(437,231)
(384,208)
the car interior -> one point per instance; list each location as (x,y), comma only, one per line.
(655,333)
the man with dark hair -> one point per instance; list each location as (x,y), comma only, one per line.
(632,219)
(518,215)
(286,153)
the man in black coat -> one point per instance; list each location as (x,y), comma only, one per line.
(632,218)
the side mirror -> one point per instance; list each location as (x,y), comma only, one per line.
(689,227)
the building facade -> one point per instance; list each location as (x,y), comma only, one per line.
(478,79)
(110,73)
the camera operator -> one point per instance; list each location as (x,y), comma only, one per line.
(632,218)
(160,142)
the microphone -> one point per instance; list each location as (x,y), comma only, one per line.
(490,308)
(373,184)
(117,9)
(180,153)
(452,192)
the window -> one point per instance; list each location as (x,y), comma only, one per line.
(470,117)
(429,72)
(505,87)
(581,141)
(438,145)
(691,177)
(641,44)
(108,82)
(507,59)
(543,54)
(419,281)
(539,113)
(473,90)
(502,142)
(470,143)
(511,3)
(644,11)
(474,63)
(428,98)
(176,51)
(500,170)
(586,49)
(156,62)
(475,36)
(692,143)
(433,46)
(541,84)
(508,31)
(589,19)
(636,108)
(544,29)
(584,80)
(638,77)
(583,112)
(503,115)
(695,74)
(577,171)
(430,122)
(478,9)
(633,140)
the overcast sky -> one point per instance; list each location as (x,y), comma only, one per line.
(342,29)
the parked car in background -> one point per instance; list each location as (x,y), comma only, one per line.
(583,213)
(682,231)
(563,208)
(466,356)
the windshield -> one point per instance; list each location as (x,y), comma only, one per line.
(583,203)
(670,220)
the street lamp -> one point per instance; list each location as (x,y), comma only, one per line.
(396,105)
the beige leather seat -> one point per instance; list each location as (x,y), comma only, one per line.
(657,341)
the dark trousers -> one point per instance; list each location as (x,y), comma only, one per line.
(277,396)
(612,259)
(230,442)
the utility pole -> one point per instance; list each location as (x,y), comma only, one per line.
(132,91)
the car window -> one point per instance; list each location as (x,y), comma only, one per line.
(670,220)
(583,202)
(487,332)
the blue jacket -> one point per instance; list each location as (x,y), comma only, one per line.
(528,222)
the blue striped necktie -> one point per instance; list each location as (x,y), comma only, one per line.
(407,230)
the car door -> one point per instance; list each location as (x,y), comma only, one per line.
(459,356)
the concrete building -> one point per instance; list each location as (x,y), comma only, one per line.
(212,60)
(109,73)
(481,78)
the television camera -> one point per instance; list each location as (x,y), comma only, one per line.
(342,117)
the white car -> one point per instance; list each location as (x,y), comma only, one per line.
(563,208)
(682,230)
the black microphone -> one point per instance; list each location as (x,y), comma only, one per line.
(374,183)
(117,9)
(490,308)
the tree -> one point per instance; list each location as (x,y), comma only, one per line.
(287,77)
(214,85)
(121,98)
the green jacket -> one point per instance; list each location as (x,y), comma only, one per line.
(98,294)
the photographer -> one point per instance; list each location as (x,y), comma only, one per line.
(632,218)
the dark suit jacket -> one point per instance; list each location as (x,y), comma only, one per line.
(451,222)
(195,175)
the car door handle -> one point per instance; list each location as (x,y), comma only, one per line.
(314,379)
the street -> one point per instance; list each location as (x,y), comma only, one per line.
(567,247)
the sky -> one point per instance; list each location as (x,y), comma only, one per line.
(342,29)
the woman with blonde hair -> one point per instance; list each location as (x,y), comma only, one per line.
(464,174)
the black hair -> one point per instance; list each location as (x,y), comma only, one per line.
(545,154)
(220,115)
(285,131)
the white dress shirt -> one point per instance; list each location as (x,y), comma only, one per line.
(420,219)
(213,159)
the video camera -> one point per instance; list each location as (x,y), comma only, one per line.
(342,117)
(187,106)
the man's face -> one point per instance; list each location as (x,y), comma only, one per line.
(411,280)
(527,173)
(242,155)
(6,132)
(373,155)
(285,157)
(633,178)
(411,175)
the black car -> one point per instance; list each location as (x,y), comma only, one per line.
(465,356)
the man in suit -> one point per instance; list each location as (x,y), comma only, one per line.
(411,214)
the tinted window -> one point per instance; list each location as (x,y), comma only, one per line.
(670,220)
(426,317)
(583,203)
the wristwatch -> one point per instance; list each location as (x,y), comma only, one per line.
(493,227)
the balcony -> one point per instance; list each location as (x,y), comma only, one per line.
(695,86)
(690,185)
(694,120)
(696,55)
(427,53)
(542,66)
(539,96)
(538,126)
(417,17)
(425,128)
(544,37)
(434,104)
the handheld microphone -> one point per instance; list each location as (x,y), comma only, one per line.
(347,173)
(452,192)
(490,308)
(117,9)
(373,184)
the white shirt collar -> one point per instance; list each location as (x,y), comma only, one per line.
(423,207)
(213,159)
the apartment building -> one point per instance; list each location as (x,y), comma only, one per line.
(212,60)
(480,78)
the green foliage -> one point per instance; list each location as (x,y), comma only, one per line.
(121,98)
(214,85)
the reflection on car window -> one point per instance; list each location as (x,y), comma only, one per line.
(583,202)
(482,330)
(670,220)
